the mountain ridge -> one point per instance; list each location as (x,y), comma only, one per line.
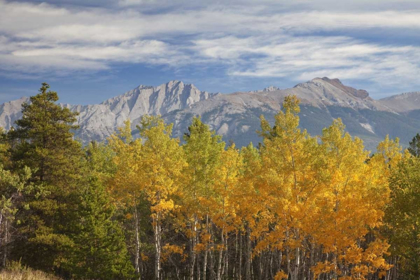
(236,115)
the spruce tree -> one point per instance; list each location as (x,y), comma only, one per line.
(43,141)
(45,135)
(414,147)
(99,250)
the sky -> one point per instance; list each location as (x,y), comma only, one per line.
(89,51)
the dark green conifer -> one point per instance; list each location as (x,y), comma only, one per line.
(43,141)
(99,250)
(414,147)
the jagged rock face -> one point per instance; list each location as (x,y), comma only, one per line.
(267,89)
(236,115)
(327,92)
(97,122)
(10,112)
(359,93)
(160,100)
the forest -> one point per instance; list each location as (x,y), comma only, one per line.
(150,206)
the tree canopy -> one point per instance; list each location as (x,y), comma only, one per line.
(150,206)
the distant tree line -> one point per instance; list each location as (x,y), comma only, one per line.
(294,207)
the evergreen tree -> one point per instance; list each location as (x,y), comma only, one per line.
(414,147)
(4,148)
(99,250)
(13,188)
(299,207)
(43,141)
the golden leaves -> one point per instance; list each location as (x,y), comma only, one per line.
(295,194)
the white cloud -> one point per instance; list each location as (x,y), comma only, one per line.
(123,52)
(304,58)
(260,39)
(50,23)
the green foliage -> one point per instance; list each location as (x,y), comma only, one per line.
(403,216)
(414,147)
(203,150)
(43,141)
(14,187)
(99,250)
(297,207)
(4,148)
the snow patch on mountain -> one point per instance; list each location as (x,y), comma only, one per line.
(368,127)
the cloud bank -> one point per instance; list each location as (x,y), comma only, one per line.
(253,39)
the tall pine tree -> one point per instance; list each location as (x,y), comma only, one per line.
(43,141)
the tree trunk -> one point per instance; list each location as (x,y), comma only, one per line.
(198,258)
(197,241)
(136,224)
(192,249)
(212,253)
(192,258)
(158,246)
(248,254)
(311,260)
(1,231)
(6,241)
(206,251)
(240,257)
(226,267)
(295,272)
(219,266)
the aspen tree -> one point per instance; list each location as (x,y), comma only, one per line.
(288,183)
(351,207)
(248,205)
(203,151)
(224,213)
(126,184)
(161,167)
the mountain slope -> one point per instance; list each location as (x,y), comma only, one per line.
(236,115)
(99,121)
(11,111)
(402,102)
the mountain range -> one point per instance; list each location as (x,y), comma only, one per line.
(235,116)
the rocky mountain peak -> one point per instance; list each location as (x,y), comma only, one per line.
(11,111)
(270,88)
(171,85)
(327,92)
(360,93)
(232,115)
(144,87)
(267,89)
(405,95)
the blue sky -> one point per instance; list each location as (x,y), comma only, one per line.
(89,51)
